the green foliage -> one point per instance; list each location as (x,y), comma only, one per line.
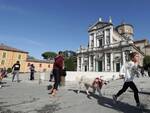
(70,60)
(69,64)
(49,55)
(69,56)
(9,70)
(146,62)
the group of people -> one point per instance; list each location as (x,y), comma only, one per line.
(15,72)
(58,72)
(128,71)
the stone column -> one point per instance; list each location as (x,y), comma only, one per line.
(123,58)
(78,69)
(103,64)
(82,61)
(97,40)
(94,63)
(89,63)
(111,62)
(89,41)
(105,38)
(105,59)
(95,43)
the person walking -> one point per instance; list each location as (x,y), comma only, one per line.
(128,71)
(57,68)
(32,70)
(16,69)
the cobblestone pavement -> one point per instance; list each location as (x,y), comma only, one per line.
(31,97)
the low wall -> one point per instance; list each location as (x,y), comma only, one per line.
(71,75)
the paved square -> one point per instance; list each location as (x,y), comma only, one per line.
(31,97)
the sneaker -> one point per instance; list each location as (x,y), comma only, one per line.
(114,98)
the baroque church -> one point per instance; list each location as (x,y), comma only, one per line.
(108,47)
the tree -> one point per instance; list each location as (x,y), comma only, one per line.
(49,55)
(146,62)
(70,60)
(70,64)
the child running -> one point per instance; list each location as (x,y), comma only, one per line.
(128,71)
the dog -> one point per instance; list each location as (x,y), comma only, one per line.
(96,83)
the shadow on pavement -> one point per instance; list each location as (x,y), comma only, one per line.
(5,110)
(51,108)
(4,84)
(84,92)
(119,106)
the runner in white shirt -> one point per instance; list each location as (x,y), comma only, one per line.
(128,71)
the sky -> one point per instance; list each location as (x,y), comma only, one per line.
(37,26)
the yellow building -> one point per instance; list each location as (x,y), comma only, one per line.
(9,56)
(40,65)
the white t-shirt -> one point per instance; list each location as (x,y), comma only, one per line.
(129,70)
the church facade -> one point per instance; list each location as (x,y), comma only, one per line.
(108,47)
